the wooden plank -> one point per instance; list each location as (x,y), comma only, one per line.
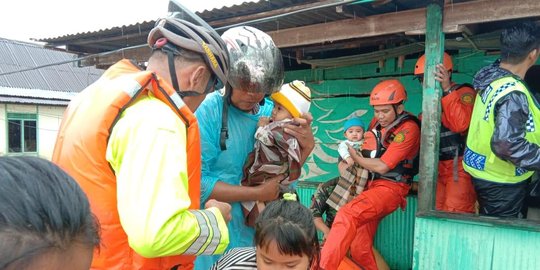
(431,108)
(136,54)
(367,57)
(409,20)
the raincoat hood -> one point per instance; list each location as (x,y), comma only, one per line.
(488,74)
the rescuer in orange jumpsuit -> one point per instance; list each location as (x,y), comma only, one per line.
(389,151)
(455,192)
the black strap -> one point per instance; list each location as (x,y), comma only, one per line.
(172,71)
(456,87)
(400,119)
(174,78)
(224,134)
(396,174)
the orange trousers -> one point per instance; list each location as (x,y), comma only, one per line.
(455,191)
(356,223)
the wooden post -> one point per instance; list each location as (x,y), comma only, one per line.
(431,108)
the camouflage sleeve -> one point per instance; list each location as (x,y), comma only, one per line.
(318,202)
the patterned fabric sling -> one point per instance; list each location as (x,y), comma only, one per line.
(351,183)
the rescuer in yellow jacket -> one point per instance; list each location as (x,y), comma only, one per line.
(503,145)
(131,141)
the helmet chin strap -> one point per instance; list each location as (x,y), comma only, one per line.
(224,133)
(174,78)
(395,106)
(261,103)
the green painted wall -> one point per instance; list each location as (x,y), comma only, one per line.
(454,244)
(395,236)
(438,244)
(329,114)
(339,93)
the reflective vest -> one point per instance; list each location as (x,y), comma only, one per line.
(377,140)
(479,160)
(81,147)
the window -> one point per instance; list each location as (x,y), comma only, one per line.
(22,133)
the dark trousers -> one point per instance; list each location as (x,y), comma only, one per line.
(501,200)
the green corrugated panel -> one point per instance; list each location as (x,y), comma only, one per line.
(331,107)
(395,235)
(305,192)
(454,244)
(394,238)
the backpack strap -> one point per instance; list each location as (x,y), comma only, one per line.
(456,87)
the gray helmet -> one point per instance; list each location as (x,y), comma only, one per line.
(255,61)
(183,34)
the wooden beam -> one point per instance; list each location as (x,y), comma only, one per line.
(431,108)
(350,44)
(410,20)
(138,54)
(133,38)
(483,42)
(370,57)
(449,29)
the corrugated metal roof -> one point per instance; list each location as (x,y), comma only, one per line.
(36,101)
(210,16)
(282,15)
(135,34)
(16,55)
(36,93)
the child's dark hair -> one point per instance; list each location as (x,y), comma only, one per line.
(518,40)
(290,225)
(42,210)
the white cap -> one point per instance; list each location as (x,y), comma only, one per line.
(295,97)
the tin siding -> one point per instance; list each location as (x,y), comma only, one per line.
(453,244)
(394,239)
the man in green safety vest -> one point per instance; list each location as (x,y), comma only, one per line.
(503,145)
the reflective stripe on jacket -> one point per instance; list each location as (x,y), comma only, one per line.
(81,151)
(479,160)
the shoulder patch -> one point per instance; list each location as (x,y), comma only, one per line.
(400,137)
(467,98)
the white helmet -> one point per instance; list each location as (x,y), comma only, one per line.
(255,62)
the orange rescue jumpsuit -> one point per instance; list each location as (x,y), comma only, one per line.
(358,220)
(455,192)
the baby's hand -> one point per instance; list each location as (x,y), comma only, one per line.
(349,161)
(263,121)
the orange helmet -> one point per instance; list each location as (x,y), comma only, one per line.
(388,92)
(421,64)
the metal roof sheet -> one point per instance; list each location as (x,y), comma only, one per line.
(295,19)
(134,34)
(16,55)
(36,93)
(36,101)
